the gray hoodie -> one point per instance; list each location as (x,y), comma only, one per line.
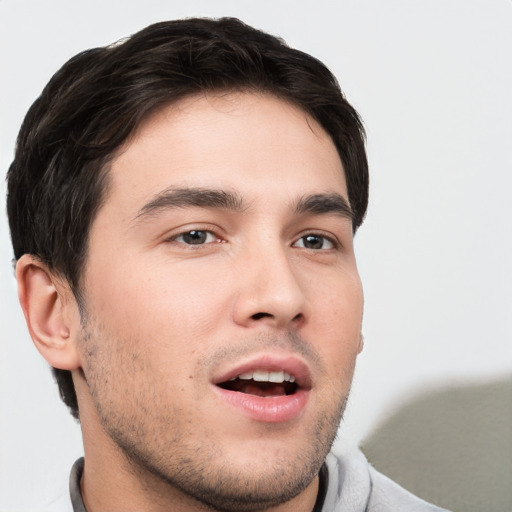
(347,484)
(353,485)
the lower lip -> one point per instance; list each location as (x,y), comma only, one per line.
(272,409)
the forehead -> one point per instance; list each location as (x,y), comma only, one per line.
(255,143)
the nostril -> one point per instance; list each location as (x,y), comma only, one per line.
(259,316)
(298,318)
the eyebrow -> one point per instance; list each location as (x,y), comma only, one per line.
(321,204)
(173,198)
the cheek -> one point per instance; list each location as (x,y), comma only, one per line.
(160,302)
(340,301)
(339,316)
(188,303)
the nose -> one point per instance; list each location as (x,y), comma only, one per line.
(269,291)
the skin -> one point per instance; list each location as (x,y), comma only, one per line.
(164,317)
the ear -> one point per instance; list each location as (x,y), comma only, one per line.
(51,312)
(361,343)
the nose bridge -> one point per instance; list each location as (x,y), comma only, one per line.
(270,290)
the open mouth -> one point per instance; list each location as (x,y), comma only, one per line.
(262,383)
(267,388)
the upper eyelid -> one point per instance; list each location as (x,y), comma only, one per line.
(181,233)
(193,226)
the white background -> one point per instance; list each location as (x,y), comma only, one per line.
(433,83)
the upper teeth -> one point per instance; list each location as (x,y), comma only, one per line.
(264,376)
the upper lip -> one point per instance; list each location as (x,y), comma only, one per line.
(288,363)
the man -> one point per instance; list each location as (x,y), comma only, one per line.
(182,207)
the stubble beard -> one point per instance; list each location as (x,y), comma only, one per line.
(158,449)
(205,476)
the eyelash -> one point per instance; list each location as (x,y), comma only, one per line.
(207,232)
(331,240)
(334,244)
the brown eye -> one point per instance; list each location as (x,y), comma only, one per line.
(314,242)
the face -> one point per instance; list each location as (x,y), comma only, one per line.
(223,303)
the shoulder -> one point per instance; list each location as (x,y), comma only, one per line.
(389,496)
(354,485)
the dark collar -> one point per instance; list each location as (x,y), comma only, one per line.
(74,486)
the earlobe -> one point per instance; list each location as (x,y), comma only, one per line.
(47,304)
